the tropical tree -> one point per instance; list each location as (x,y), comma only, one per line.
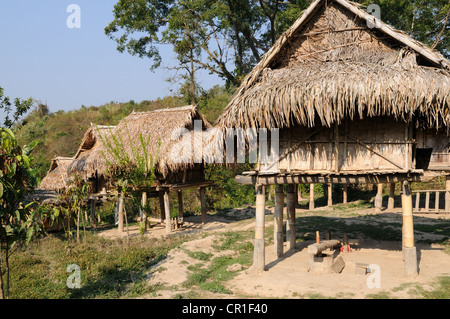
(18,221)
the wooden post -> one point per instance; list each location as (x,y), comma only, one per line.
(92,212)
(311,196)
(278,221)
(203,204)
(120,213)
(330,194)
(417,202)
(161,207)
(167,213)
(259,249)
(427,202)
(436,202)
(391,196)
(447,193)
(180,206)
(144,214)
(344,193)
(291,201)
(409,249)
(379,198)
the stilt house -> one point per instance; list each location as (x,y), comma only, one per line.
(348,99)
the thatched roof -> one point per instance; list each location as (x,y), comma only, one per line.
(57,177)
(91,141)
(163,126)
(330,64)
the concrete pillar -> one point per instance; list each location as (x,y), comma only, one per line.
(278,221)
(259,248)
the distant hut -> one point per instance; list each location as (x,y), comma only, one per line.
(351,101)
(177,165)
(57,177)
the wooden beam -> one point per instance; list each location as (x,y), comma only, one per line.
(307,178)
(259,248)
(278,221)
(317,248)
(291,201)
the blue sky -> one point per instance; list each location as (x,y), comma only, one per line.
(40,57)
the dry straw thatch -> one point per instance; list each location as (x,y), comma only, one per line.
(162,126)
(330,65)
(57,177)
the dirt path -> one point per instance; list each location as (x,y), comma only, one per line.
(289,277)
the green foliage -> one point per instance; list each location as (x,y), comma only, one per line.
(18,221)
(12,116)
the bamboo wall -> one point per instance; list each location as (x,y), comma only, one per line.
(366,145)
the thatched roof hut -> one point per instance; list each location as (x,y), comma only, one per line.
(57,177)
(165,127)
(336,61)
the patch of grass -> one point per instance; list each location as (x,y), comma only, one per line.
(200,255)
(380,295)
(441,289)
(108,268)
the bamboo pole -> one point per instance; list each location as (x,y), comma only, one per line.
(311,196)
(180,206)
(447,193)
(409,249)
(345,193)
(330,194)
(391,200)
(120,213)
(161,207)
(167,213)
(278,221)
(259,249)
(291,201)
(203,204)
(144,214)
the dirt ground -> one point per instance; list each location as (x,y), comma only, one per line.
(289,276)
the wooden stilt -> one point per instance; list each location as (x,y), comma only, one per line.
(344,193)
(203,204)
(330,194)
(409,249)
(161,207)
(291,201)
(144,214)
(391,196)
(167,213)
(278,221)
(180,206)
(311,196)
(92,212)
(259,249)
(379,198)
(120,213)
(447,194)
